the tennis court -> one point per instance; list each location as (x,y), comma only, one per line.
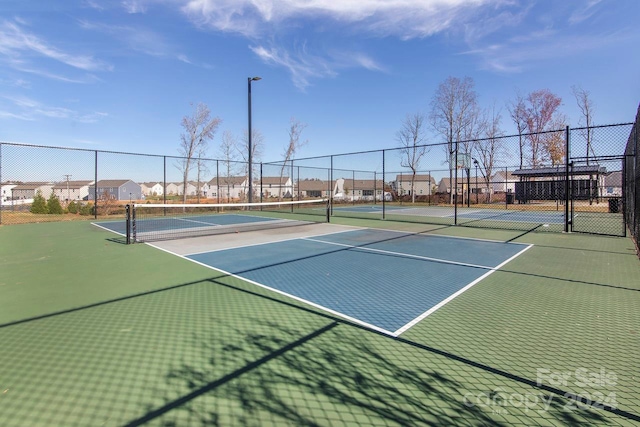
(534,217)
(356,322)
(400,279)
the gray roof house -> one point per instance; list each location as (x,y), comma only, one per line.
(72,190)
(120,189)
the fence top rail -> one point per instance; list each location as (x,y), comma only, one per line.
(21,144)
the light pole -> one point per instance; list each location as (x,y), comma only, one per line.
(475,162)
(249,80)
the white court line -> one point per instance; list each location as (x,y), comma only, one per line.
(108,229)
(450,298)
(321,307)
(248,245)
(402,254)
(193,220)
(409,233)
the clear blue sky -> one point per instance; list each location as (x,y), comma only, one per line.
(121,74)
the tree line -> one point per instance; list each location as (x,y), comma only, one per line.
(199,128)
(471,133)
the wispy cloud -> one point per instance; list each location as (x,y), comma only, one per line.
(16,42)
(521,52)
(584,12)
(134,6)
(302,66)
(139,39)
(30,109)
(402,18)
(272,20)
(305,66)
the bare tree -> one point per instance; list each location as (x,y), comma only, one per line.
(490,148)
(295,131)
(518,113)
(453,111)
(541,109)
(586,108)
(228,153)
(257,146)
(412,139)
(552,143)
(199,128)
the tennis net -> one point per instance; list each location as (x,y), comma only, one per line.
(152,222)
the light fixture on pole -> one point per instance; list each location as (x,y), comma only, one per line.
(250,165)
(475,162)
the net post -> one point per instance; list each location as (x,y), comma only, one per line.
(134,234)
(328,210)
(127,212)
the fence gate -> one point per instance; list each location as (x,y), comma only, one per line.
(596,194)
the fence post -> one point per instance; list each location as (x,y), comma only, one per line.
(383,180)
(164,180)
(95,187)
(330,183)
(1,197)
(567,186)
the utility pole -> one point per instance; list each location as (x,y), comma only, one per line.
(68,194)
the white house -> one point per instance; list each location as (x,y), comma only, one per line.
(194,188)
(5,191)
(152,189)
(359,189)
(27,190)
(503,182)
(424,184)
(274,186)
(174,188)
(229,187)
(72,190)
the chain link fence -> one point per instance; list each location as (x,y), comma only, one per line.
(631,168)
(519,182)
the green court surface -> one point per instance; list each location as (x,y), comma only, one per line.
(97,333)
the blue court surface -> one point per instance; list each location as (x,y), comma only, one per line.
(384,280)
(172,223)
(541,217)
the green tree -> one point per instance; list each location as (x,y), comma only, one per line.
(39,205)
(53,205)
(72,207)
(86,209)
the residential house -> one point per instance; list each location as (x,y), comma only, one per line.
(72,190)
(119,189)
(315,188)
(27,190)
(504,182)
(359,189)
(5,191)
(227,188)
(613,184)
(195,188)
(152,188)
(173,188)
(274,186)
(474,184)
(424,184)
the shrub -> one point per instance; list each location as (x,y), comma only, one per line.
(72,207)
(39,205)
(87,209)
(53,205)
